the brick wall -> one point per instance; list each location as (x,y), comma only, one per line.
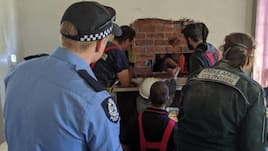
(153,36)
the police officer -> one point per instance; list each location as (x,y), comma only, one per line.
(55,103)
(222,107)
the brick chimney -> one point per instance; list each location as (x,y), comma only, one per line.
(155,36)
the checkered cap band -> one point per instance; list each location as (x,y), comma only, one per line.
(97,36)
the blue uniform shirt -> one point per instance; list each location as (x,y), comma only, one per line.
(49,107)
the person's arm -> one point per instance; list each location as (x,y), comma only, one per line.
(173,72)
(121,67)
(169,63)
(252,133)
(124,78)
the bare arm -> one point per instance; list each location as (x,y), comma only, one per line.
(124,78)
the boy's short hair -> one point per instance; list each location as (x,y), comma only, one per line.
(159,93)
(127,33)
(193,31)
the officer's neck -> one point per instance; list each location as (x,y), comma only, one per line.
(87,55)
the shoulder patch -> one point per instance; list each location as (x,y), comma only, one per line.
(110,109)
(219,75)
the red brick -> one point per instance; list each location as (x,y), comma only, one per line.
(139,49)
(140,63)
(161,42)
(157,35)
(171,49)
(147,56)
(146,28)
(178,28)
(171,35)
(158,49)
(144,42)
(165,28)
(146,21)
(153,35)
(140,35)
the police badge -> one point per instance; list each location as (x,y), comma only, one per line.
(110,109)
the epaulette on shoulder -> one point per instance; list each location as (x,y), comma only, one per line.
(91,81)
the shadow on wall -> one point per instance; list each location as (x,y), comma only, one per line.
(1,124)
(3,71)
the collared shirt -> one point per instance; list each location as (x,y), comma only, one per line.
(49,107)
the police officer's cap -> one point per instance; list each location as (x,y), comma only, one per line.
(92,20)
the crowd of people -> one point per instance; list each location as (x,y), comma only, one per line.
(60,102)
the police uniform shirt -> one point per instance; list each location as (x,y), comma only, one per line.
(50,107)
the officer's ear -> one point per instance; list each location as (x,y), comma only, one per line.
(101,44)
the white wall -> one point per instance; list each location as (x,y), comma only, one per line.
(39,20)
(8,46)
